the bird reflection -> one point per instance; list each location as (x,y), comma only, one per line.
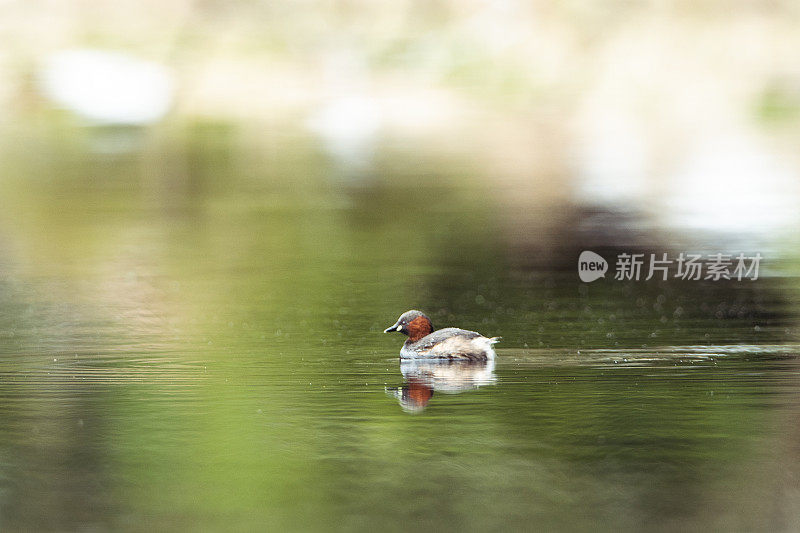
(424,377)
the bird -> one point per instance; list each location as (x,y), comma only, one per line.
(448,343)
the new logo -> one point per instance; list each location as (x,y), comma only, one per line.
(591,266)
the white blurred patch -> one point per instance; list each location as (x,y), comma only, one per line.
(348,118)
(347,126)
(731,185)
(611,161)
(107,87)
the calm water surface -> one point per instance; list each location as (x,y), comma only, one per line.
(217,363)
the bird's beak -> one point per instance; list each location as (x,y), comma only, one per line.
(396,327)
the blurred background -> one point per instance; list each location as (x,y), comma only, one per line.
(210,210)
(678,118)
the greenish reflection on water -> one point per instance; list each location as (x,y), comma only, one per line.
(190,337)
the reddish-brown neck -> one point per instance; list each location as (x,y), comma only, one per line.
(418,328)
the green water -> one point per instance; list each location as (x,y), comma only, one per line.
(190,339)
